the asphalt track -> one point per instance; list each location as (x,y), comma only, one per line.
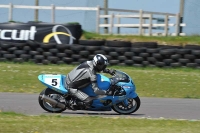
(169,108)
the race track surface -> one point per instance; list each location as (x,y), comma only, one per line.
(170,108)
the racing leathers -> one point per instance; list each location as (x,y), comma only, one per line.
(80,77)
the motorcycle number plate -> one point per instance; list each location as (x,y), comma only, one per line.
(53,80)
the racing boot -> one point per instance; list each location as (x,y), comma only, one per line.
(88,102)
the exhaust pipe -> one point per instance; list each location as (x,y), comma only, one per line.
(52,101)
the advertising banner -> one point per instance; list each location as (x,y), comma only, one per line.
(40,32)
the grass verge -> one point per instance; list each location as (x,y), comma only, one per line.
(17,123)
(150,82)
(169,40)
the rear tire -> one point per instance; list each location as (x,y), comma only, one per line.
(47,106)
(121,109)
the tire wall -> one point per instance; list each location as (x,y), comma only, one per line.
(140,54)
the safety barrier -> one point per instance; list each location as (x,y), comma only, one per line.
(139,54)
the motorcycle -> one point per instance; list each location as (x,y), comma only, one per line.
(56,98)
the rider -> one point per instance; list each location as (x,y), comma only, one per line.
(85,74)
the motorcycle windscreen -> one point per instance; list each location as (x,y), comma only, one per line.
(103,82)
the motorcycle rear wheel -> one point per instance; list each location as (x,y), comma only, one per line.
(47,106)
(133,106)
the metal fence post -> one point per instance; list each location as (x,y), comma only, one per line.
(177,24)
(52,13)
(10,15)
(150,24)
(141,21)
(97,19)
(118,22)
(166,25)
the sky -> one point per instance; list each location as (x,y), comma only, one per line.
(86,19)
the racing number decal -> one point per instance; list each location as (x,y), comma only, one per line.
(54,82)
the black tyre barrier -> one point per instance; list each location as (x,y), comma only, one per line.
(107,49)
(46,54)
(92,48)
(9,56)
(157,56)
(27,48)
(48,46)
(122,58)
(194,47)
(160,64)
(40,50)
(189,56)
(19,52)
(138,50)
(12,49)
(168,61)
(184,51)
(26,57)
(53,51)
(145,63)
(145,44)
(84,53)
(67,60)
(168,47)
(163,56)
(151,51)
(193,65)
(77,48)
(99,52)
(68,52)
(18,60)
(176,56)
(184,61)
(92,42)
(138,59)
(196,52)
(144,55)
(61,55)
(176,64)
(129,62)
(122,50)
(81,60)
(118,43)
(6,45)
(128,54)
(114,62)
(114,54)
(168,51)
(197,61)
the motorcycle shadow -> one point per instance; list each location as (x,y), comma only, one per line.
(96,113)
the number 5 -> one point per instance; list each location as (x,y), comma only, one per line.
(54,82)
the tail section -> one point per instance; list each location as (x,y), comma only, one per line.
(54,81)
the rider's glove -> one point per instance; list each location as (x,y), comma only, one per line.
(110,71)
(109,92)
(106,70)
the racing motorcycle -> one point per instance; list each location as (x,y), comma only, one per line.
(56,98)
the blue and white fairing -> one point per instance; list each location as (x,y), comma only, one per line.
(54,81)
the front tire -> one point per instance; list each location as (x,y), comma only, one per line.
(47,106)
(133,106)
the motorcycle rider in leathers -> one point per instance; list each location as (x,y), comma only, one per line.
(85,74)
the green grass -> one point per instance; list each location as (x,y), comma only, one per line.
(150,82)
(169,40)
(18,123)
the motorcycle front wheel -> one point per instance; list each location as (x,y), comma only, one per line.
(47,106)
(132,105)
